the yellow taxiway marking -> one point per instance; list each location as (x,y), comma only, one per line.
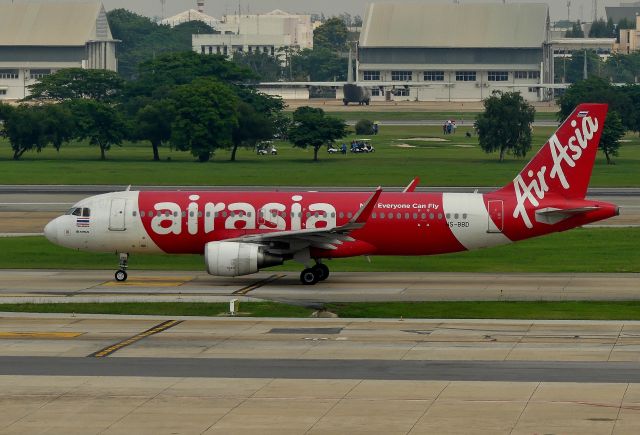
(149,282)
(247,289)
(116,347)
(40,334)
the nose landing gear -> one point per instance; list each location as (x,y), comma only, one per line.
(121,274)
(312,275)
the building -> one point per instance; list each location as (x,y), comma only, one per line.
(455,52)
(267,33)
(630,38)
(566,47)
(626,11)
(37,39)
(188,16)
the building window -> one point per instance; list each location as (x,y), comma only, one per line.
(434,76)
(401,92)
(498,76)
(375,92)
(371,75)
(465,76)
(36,74)
(401,76)
(3,92)
(8,74)
(532,90)
(202,49)
(518,75)
(534,74)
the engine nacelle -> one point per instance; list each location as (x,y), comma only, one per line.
(234,259)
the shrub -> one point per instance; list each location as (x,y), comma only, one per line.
(364,126)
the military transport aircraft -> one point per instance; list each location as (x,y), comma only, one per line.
(240,233)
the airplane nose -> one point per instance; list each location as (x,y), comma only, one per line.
(51,231)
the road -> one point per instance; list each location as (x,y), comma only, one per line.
(33,285)
(147,375)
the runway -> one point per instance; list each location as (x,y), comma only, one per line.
(32,285)
(317,376)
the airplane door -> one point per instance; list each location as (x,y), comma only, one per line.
(496,217)
(117,214)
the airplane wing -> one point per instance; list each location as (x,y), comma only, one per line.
(321,238)
(551,215)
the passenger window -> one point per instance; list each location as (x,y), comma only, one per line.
(381,215)
(424,216)
(373,215)
(464,216)
(399,215)
(406,216)
(349,215)
(448,215)
(141,213)
(439,215)
(431,216)
(415,215)
(341,215)
(135,213)
(456,216)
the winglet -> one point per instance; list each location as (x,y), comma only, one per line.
(367,208)
(412,186)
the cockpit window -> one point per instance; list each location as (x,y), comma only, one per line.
(75,211)
(86,212)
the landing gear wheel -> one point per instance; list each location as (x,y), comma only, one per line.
(121,276)
(308,277)
(321,271)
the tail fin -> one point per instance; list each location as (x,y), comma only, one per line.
(563,166)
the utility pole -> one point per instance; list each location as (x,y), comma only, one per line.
(584,66)
(595,10)
(568,10)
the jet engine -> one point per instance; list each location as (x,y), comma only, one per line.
(234,259)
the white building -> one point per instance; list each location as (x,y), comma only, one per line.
(188,16)
(455,52)
(266,33)
(41,38)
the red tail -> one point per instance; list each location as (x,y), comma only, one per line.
(563,166)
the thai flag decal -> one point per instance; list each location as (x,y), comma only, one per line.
(82,222)
(583,113)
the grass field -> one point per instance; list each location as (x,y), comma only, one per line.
(580,250)
(566,310)
(453,160)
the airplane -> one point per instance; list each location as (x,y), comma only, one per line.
(239,233)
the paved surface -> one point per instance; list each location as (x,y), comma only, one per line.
(82,285)
(241,375)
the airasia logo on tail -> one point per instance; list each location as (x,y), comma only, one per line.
(532,190)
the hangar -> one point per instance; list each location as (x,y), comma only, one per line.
(455,52)
(37,39)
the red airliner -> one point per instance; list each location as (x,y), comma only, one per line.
(240,233)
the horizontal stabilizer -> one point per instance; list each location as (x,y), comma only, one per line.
(551,215)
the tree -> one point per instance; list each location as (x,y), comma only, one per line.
(575,31)
(597,90)
(142,39)
(73,83)
(611,135)
(331,35)
(312,127)
(100,123)
(152,122)
(31,128)
(258,118)
(158,76)
(623,68)
(505,125)
(602,29)
(319,64)
(571,70)
(263,65)
(205,116)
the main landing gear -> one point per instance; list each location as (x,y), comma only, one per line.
(312,275)
(121,274)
